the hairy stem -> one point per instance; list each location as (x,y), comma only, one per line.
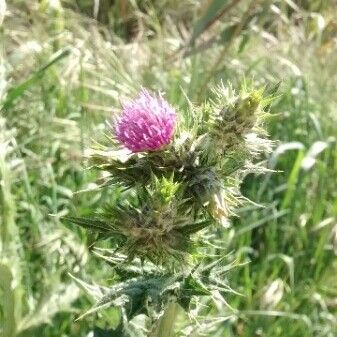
(165,325)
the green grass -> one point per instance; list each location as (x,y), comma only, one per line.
(53,113)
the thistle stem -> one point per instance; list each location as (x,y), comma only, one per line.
(165,325)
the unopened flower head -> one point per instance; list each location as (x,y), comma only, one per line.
(234,116)
(147,123)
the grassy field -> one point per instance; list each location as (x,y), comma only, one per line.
(64,69)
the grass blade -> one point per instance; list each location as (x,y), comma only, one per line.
(21,88)
(215,10)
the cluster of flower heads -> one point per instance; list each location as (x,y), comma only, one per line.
(147,123)
(202,161)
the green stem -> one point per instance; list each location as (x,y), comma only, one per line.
(8,302)
(165,325)
(9,242)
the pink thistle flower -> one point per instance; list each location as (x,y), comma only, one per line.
(147,123)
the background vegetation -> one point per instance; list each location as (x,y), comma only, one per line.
(65,66)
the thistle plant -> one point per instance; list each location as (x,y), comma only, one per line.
(176,176)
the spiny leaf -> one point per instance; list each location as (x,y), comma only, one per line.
(195,227)
(93,224)
(192,286)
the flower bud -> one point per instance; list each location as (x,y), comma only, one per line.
(150,222)
(237,118)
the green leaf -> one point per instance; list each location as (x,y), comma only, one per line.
(192,286)
(195,227)
(98,332)
(135,303)
(184,302)
(92,224)
(136,306)
(20,89)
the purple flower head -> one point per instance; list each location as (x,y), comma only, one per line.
(147,123)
